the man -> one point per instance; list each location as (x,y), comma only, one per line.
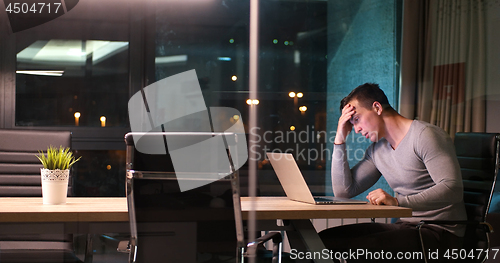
(417,160)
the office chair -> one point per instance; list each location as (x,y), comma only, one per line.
(209,213)
(20,177)
(478,156)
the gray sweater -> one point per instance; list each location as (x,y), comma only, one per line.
(423,170)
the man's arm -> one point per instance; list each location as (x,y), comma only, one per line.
(348,182)
(438,154)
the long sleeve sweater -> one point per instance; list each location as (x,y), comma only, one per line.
(423,170)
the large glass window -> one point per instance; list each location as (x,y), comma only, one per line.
(311,54)
(212,38)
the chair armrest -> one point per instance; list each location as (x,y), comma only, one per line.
(130,247)
(274,236)
(123,246)
(485,225)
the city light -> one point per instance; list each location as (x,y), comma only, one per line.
(103,121)
(302,108)
(293,94)
(252,102)
(77,118)
(292,128)
(234,78)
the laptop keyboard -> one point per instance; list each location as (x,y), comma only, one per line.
(322,199)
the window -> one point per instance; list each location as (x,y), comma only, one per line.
(73,73)
(74,70)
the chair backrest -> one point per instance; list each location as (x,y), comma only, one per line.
(478,156)
(19,168)
(154,194)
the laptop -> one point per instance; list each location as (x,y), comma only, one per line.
(295,186)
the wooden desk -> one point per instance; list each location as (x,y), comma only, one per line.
(77,209)
(85,215)
(101,215)
(114,209)
(283,208)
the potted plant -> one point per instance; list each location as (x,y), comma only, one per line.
(55,173)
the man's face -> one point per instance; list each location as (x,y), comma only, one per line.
(365,121)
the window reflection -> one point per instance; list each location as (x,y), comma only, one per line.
(63,82)
(60,53)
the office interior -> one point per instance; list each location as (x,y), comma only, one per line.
(78,72)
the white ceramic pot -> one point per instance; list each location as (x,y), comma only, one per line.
(54,186)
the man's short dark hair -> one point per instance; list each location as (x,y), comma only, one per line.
(366,95)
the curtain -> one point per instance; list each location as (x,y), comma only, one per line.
(451,84)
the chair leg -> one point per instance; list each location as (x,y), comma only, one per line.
(419,227)
(277,252)
(240,255)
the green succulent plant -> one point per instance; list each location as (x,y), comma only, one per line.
(61,158)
